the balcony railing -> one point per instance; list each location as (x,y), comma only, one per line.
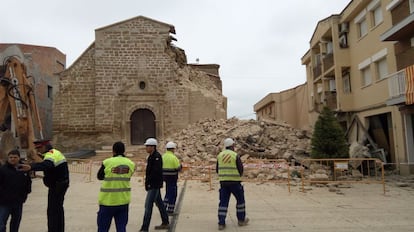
(396,88)
(328,61)
(317,71)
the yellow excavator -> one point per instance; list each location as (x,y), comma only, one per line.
(19,114)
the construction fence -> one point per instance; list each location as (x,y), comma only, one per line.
(353,170)
(279,171)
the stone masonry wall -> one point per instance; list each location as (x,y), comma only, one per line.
(132,65)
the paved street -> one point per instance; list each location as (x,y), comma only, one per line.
(270,207)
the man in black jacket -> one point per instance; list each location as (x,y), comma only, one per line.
(15,185)
(153,184)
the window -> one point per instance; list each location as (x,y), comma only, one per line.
(363,27)
(411,6)
(377,16)
(361,23)
(49,92)
(375,10)
(317,59)
(142,85)
(329,47)
(346,83)
(366,76)
(382,68)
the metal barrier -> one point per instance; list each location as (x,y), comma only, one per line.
(200,171)
(82,166)
(267,170)
(353,170)
(255,170)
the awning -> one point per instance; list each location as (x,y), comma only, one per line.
(409,85)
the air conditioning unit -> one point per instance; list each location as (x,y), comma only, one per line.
(332,85)
(319,89)
(343,41)
(344,27)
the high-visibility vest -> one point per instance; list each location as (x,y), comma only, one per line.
(55,156)
(116,188)
(170,164)
(227,167)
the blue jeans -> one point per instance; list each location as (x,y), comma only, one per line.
(106,213)
(15,212)
(154,196)
(225,193)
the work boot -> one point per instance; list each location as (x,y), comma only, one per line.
(162,227)
(244,223)
(221,226)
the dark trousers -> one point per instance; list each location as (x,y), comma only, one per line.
(153,196)
(225,192)
(170,194)
(106,213)
(15,211)
(55,211)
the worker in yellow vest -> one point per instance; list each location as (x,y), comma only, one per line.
(230,169)
(170,168)
(115,193)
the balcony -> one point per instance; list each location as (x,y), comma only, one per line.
(317,71)
(396,88)
(328,61)
(330,99)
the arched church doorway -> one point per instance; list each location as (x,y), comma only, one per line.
(142,126)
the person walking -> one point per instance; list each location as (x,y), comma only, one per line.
(15,185)
(153,184)
(230,169)
(170,168)
(115,192)
(56,179)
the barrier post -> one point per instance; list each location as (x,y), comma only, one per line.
(90,170)
(383,177)
(288,177)
(210,177)
(302,175)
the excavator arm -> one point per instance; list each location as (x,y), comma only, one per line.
(18,109)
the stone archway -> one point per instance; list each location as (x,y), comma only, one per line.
(142,126)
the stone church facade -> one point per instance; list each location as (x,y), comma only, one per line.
(132,83)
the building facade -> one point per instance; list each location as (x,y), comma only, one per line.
(132,83)
(289,106)
(356,66)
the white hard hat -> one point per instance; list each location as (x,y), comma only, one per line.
(151,142)
(170,145)
(228,142)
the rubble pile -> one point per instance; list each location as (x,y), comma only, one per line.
(202,141)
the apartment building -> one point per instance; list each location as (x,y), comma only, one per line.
(357,66)
(401,82)
(288,106)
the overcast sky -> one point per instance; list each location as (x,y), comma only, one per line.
(257,43)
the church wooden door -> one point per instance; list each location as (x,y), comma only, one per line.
(142,126)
